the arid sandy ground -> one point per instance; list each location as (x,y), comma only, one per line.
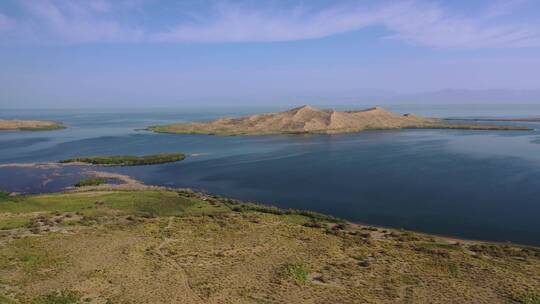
(308,119)
(30,125)
(163,246)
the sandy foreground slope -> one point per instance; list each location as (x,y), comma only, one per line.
(307,119)
(179,246)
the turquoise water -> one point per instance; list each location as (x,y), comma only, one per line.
(473,184)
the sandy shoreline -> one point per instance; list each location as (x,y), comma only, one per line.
(45,165)
(29,125)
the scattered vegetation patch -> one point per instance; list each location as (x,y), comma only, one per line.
(163,203)
(13,222)
(369,228)
(63,297)
(502,251)
(530,298)
(4,195)
(443,253)
(297,272)
(126,160)
(453,268)
(315,216)
(442,246)
(56,126)
(166,206)
(404,236)
(91,182)
(30,256)
(313,224)
(6,300)
(34,226)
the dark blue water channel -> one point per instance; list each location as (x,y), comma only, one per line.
(473,184)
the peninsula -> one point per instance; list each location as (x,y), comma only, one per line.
(29,125)
(308,119)
(179,246)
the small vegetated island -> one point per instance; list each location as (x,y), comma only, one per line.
(127,160)
(95,181)
(307,119)
(29,125)
(179,246)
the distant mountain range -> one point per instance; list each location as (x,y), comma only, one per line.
(446,96)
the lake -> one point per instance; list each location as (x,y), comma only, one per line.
(470,184)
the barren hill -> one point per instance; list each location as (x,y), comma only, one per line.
(308,119)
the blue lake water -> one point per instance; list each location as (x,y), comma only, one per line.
(473,184)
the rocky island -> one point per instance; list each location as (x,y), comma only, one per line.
(29,125)
(308,119)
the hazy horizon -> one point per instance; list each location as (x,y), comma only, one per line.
(143,53)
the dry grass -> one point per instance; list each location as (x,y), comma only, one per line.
(185,247)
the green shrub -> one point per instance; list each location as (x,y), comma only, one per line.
(91,182)
(506,250)
(4,195)
(6,300)
(64,297)
(298,272)
(279,211)
(313,224)
(530,299)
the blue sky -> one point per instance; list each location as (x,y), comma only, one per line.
(175,53)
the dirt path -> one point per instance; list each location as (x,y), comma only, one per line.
(190,296)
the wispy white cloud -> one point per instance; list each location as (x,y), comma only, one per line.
(75,22)
(417,22)
(237,24)
(432,26)
(501,8)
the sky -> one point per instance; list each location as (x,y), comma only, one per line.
(118,53)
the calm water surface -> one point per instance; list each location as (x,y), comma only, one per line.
(474,184)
